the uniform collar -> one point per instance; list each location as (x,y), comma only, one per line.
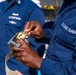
(17,1)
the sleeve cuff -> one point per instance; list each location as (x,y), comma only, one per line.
(46,66)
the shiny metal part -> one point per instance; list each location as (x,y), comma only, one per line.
(12,43)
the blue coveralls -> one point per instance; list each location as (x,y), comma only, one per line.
(13,16)
(61,54)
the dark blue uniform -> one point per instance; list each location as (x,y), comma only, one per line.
(13,16)
(61,54)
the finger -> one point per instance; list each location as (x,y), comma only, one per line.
(22,59)
(17,40)
(21,41)
(19,54)
(18,58)
(28,26)
(36,35)
(16,49)
(24,44)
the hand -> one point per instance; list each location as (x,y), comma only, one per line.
(26,55)
(34,29)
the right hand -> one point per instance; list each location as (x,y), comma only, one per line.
(34,29)
(27,55)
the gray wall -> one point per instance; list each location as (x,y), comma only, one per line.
(50,2)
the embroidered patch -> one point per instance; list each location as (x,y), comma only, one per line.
(15,14)
(12,22)
(14,17)
(68,28)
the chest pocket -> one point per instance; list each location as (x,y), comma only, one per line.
(66,35)
(12,26)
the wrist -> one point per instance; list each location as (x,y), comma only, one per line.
(39,61)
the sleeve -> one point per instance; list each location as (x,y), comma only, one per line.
(49,67)
(37,15)
(47,30)
(62,66)
(3,5)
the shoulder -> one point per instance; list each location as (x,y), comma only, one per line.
(70,15)
(3,1)
(30,4)
(70,21)
(3,4)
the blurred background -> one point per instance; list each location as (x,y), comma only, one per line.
(49,7)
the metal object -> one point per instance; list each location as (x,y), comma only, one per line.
(20,35)
(8,71)
(12,43)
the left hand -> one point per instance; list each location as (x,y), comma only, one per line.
(34,29)
(27,55)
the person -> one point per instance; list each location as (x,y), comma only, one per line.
(13,15)
(61,54)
